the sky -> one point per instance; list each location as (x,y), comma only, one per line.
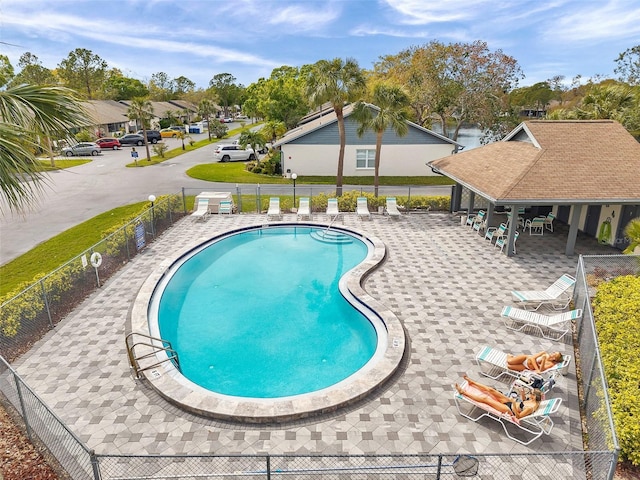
(249,38)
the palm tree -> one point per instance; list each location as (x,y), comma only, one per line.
(607,102)
(273,129)
(336,82)
(206,108)
(141,111)
(389,110)
(30,114)
(632,231)
(252,139)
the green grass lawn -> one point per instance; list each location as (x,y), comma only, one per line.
(236,173)
(58,250)
(62,164)
(188,147)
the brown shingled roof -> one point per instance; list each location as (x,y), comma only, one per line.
(553,162)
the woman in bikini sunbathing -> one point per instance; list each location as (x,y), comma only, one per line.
(519,407)
(538,362)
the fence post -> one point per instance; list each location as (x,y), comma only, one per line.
(22,405)
(258,206)
(268,467)
(184,201)
(439,472)
(126,243)
(95,465)
(408,200)
(239,197)
(46,303)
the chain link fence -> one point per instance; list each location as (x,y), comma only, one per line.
(255,198)
(46,304)
(27,316)
(574,465)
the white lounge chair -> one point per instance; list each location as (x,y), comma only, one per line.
(202,209)
(304,209)
(225,207)
(537,424)
(332,209)
(553,327)
(557,295)
(274,209)
(362,208)
(392,207)
(493,364)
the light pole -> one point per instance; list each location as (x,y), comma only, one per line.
(152,199)
(293,177)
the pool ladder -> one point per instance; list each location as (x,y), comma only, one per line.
(164,346)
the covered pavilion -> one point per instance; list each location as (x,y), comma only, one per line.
(563,165)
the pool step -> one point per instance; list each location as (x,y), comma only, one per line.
(331,236)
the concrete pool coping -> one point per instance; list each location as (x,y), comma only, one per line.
(167,380)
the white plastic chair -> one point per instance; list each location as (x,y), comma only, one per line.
(495,232)
(502,241)
(225,207)
(535,225)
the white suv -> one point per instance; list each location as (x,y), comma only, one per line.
(232,153)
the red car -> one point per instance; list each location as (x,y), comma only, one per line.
(109,143)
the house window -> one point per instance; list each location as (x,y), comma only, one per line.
(365,158)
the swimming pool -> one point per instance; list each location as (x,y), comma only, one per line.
(260,314)
(343,342)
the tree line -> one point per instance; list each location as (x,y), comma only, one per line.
(453,84)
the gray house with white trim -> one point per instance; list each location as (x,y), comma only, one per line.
(312,149)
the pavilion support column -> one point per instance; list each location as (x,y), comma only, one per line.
(511,232)
(488,219)
(456,197)
(573,230)
(472,201)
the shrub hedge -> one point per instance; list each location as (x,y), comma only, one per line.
(616,309)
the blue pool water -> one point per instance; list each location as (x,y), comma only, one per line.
(259,314)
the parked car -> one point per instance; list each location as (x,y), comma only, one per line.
(84,148)
(153,136)
(232,153)
(109,142)
(132,139)
(242,117)
(169,132)
(228,120)
(180,128)
(260,149)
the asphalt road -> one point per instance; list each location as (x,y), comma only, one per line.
(77,194)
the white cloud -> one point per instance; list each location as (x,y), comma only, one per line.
(598,22)
(420,12)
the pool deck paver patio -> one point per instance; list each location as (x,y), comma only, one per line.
(445,283)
